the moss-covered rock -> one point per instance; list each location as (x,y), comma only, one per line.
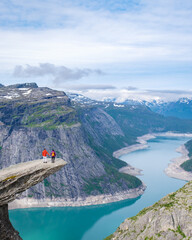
(170,218)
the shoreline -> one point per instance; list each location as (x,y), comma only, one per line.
(79,202)
(174,170)
(142,144)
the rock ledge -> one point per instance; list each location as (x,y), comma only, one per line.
(16,179)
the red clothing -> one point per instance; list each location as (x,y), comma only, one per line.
(45,153)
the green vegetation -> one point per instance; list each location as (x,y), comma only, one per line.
(42,114)
(172,195)
(109,237)
(49,116)
(46,183)
(180,231)
(93,184)
(107,158)
(163,203)
(188,146)
(158,234)
(104,154)
(132,181)
(104,145)
(139,120)
(187,165)
(112,176)
(101,136)
(30,195)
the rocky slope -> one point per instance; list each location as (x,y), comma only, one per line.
(170,218)
(16,179)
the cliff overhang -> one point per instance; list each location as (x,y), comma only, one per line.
(15,180)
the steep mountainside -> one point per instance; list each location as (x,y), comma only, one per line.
(170,218)
(85,135)
(33,118)
(139,120)
(140,117)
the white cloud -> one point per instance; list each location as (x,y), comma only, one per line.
(88,87)
(157,31)
(60,74)
(135,94)
(89,34)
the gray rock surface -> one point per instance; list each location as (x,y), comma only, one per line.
(7,232)
(16,179)
(170,219)
(101,126)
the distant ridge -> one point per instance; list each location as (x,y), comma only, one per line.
(23,85)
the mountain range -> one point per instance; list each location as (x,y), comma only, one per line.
(181,108)
(84,133)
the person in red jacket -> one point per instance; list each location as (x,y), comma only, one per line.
(44,154)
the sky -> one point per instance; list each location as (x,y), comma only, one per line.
(140,49)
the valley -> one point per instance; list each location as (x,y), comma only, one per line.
(85,135)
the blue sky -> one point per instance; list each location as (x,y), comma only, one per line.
(108,48)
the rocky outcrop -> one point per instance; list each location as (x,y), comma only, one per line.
(16,179)
(170,218)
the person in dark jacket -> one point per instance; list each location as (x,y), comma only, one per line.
(53,155)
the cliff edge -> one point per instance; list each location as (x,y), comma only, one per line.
(16,179)
(170,218)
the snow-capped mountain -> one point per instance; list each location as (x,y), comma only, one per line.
(181,108)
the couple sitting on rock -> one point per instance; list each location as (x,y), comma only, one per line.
(45,153)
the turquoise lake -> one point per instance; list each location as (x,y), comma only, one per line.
(97,222)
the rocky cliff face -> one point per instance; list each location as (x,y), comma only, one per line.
(170,218)
(16,179)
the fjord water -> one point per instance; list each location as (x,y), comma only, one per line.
(97,222)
